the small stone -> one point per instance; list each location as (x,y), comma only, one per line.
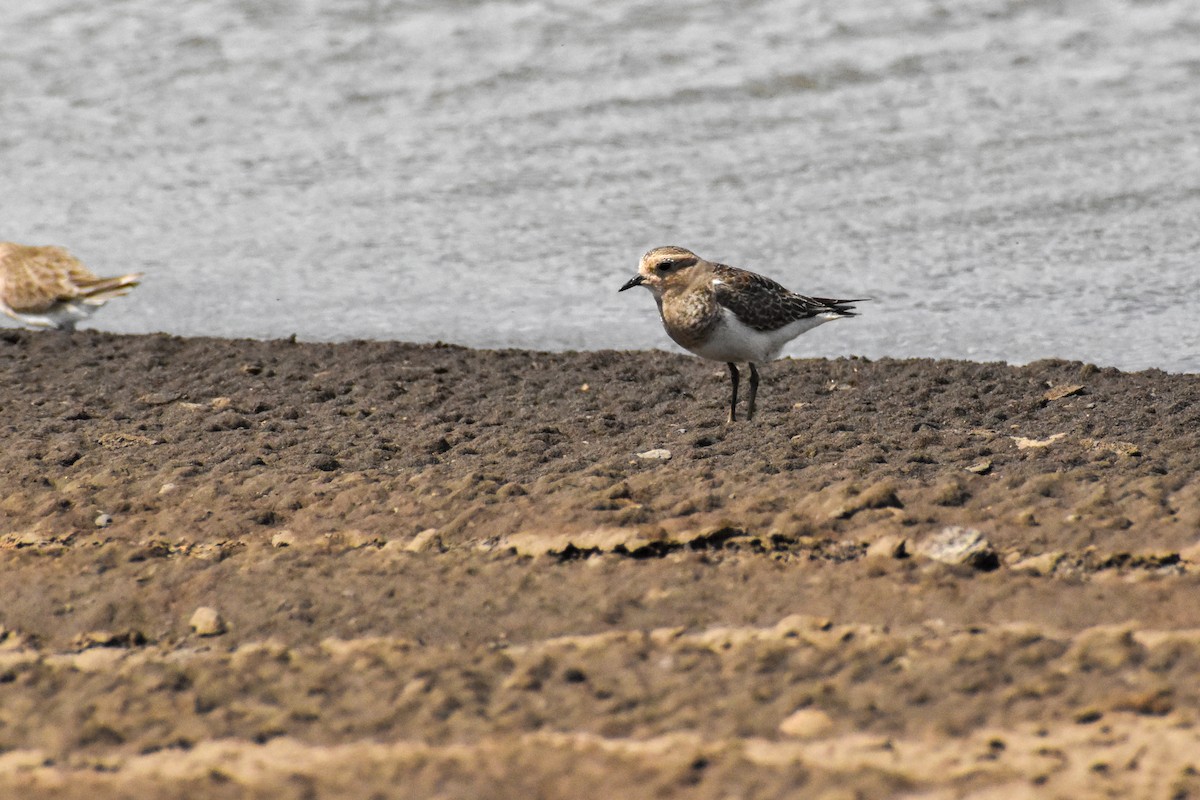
(425,540)
(220,403)
(166,488)
(103,520)
(206,621)
(1059,392)
(1043,564)
(585,388)
(283,539)
(658,454)
(981,467)
(1026,444)
(890,546)
(958,545)
(807,723)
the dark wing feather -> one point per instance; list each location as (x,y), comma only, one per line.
(764,305)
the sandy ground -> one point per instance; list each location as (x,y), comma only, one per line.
(449,573)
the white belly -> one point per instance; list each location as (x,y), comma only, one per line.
(734,341)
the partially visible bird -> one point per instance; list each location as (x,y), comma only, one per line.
(48,287)
(728,314)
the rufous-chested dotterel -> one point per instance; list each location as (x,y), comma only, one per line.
(48,287)
(728,314)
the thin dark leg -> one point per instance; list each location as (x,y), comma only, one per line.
(753,391)
(733,379)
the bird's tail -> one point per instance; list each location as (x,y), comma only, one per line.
(102,289)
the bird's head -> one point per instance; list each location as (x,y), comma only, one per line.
(662,268)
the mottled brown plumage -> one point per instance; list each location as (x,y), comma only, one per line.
(764,305)
(48,287)
(729,314)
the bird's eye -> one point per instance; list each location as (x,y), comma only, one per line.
(663,266)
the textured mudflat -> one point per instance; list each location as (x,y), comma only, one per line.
(449,573)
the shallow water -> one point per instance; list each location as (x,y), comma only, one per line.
(1009,180)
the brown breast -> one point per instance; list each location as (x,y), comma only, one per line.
(690,314)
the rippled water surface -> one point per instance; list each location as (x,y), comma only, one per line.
(1010,180)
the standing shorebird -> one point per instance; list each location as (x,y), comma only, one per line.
(48,287)
(729,314)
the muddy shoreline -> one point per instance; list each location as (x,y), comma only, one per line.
(465,571)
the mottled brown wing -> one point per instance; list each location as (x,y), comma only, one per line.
(764,305)
(37,278)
